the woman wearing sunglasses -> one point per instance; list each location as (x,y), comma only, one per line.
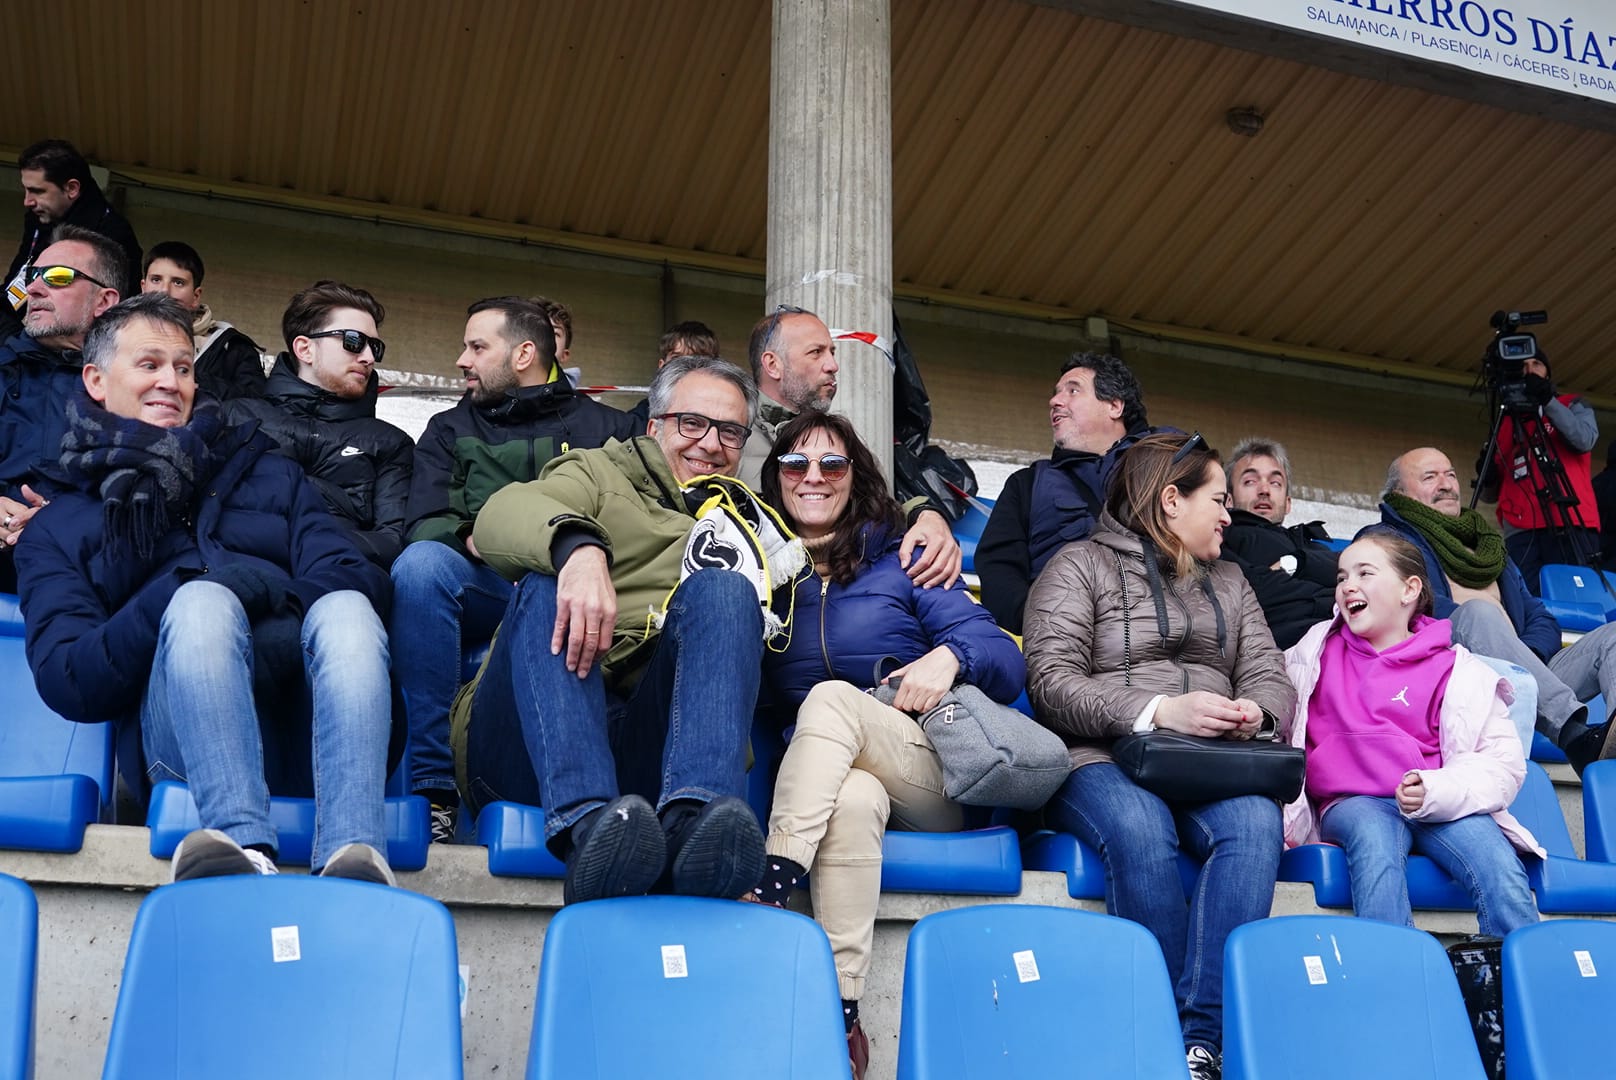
(854,765)
(1141,627)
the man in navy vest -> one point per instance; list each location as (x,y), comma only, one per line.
(1096,412)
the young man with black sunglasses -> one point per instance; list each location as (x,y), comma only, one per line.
(320,407)
(519,411)
(39,371)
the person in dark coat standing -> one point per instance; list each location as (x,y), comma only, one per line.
(321,409)
(58,189)
(193,583)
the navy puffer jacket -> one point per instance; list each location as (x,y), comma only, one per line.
(92,614)
(842,631)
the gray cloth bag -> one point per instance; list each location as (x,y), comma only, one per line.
(992,754)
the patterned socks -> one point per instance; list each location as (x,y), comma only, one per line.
(780,876)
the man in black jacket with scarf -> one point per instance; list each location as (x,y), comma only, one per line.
(191,582)
(1096,412)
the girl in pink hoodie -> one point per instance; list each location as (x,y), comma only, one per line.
(1409,743)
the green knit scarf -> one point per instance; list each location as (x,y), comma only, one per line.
(1469,547)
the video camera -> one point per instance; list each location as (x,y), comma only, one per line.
(1506,356)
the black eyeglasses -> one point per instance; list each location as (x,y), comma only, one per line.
(59,277)
(355,341)
(831,466)
(694,426)
(1184,451)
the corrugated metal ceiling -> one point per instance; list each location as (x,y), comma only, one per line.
(1038,155)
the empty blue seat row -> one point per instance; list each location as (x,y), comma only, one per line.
(1578,597)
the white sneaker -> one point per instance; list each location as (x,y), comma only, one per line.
(1203,1065)
(359,862)
(210,853)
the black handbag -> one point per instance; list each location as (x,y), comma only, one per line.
(1196,769)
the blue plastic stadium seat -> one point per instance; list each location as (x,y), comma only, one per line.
(1544,750)
(272,977)
(172,814)
(514,836)
(978,862)
(19,950)
(1017,991)
(55,775)
(1360,999)
(1576,597)
(1334,543)
(678,987)
(1564,884)
(968,532)
(1559,988)
(1064,853)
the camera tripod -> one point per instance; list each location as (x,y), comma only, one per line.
(1560,507)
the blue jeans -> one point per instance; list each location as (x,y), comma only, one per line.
(1138,837)
(1473,850)
(442,603)
(541,735)
(200,724)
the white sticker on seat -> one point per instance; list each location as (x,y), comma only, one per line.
(1585,964)
(1026,965)
(673,962)
(284,941)
(1315,970)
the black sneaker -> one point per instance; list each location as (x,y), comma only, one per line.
(617,850)
(1203,1063)
(1584,745)
(716,852)
(444,820)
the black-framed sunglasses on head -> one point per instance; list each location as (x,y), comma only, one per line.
(59,277)
(832,467)
(1184,451)
(694,426)
(355,341)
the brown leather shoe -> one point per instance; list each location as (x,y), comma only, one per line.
(858,1051)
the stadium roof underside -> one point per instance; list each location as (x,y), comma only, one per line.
(1045,158)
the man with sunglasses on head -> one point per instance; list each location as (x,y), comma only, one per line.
(39,371)
(320,408)
(620,689)
(519,411)
(794,363)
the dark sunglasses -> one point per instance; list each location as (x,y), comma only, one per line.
(831,466)
(694,426)
(354,341)
(59,277)
(1189,447)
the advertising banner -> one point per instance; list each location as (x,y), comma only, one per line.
(1567,45)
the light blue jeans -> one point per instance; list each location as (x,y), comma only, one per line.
(1138,837)
(200,724)
(442,604)
(1473,850)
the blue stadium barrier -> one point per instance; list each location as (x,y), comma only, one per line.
(172,814)
(1358,999)
(55,775)
(1016,991)
(1576,597)
(19,951)
(968,531)
(1564,884)
(679,987)
(254,977)
(1559,989)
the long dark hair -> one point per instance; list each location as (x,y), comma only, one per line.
(869,502)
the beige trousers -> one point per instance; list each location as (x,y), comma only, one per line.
(854,766)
